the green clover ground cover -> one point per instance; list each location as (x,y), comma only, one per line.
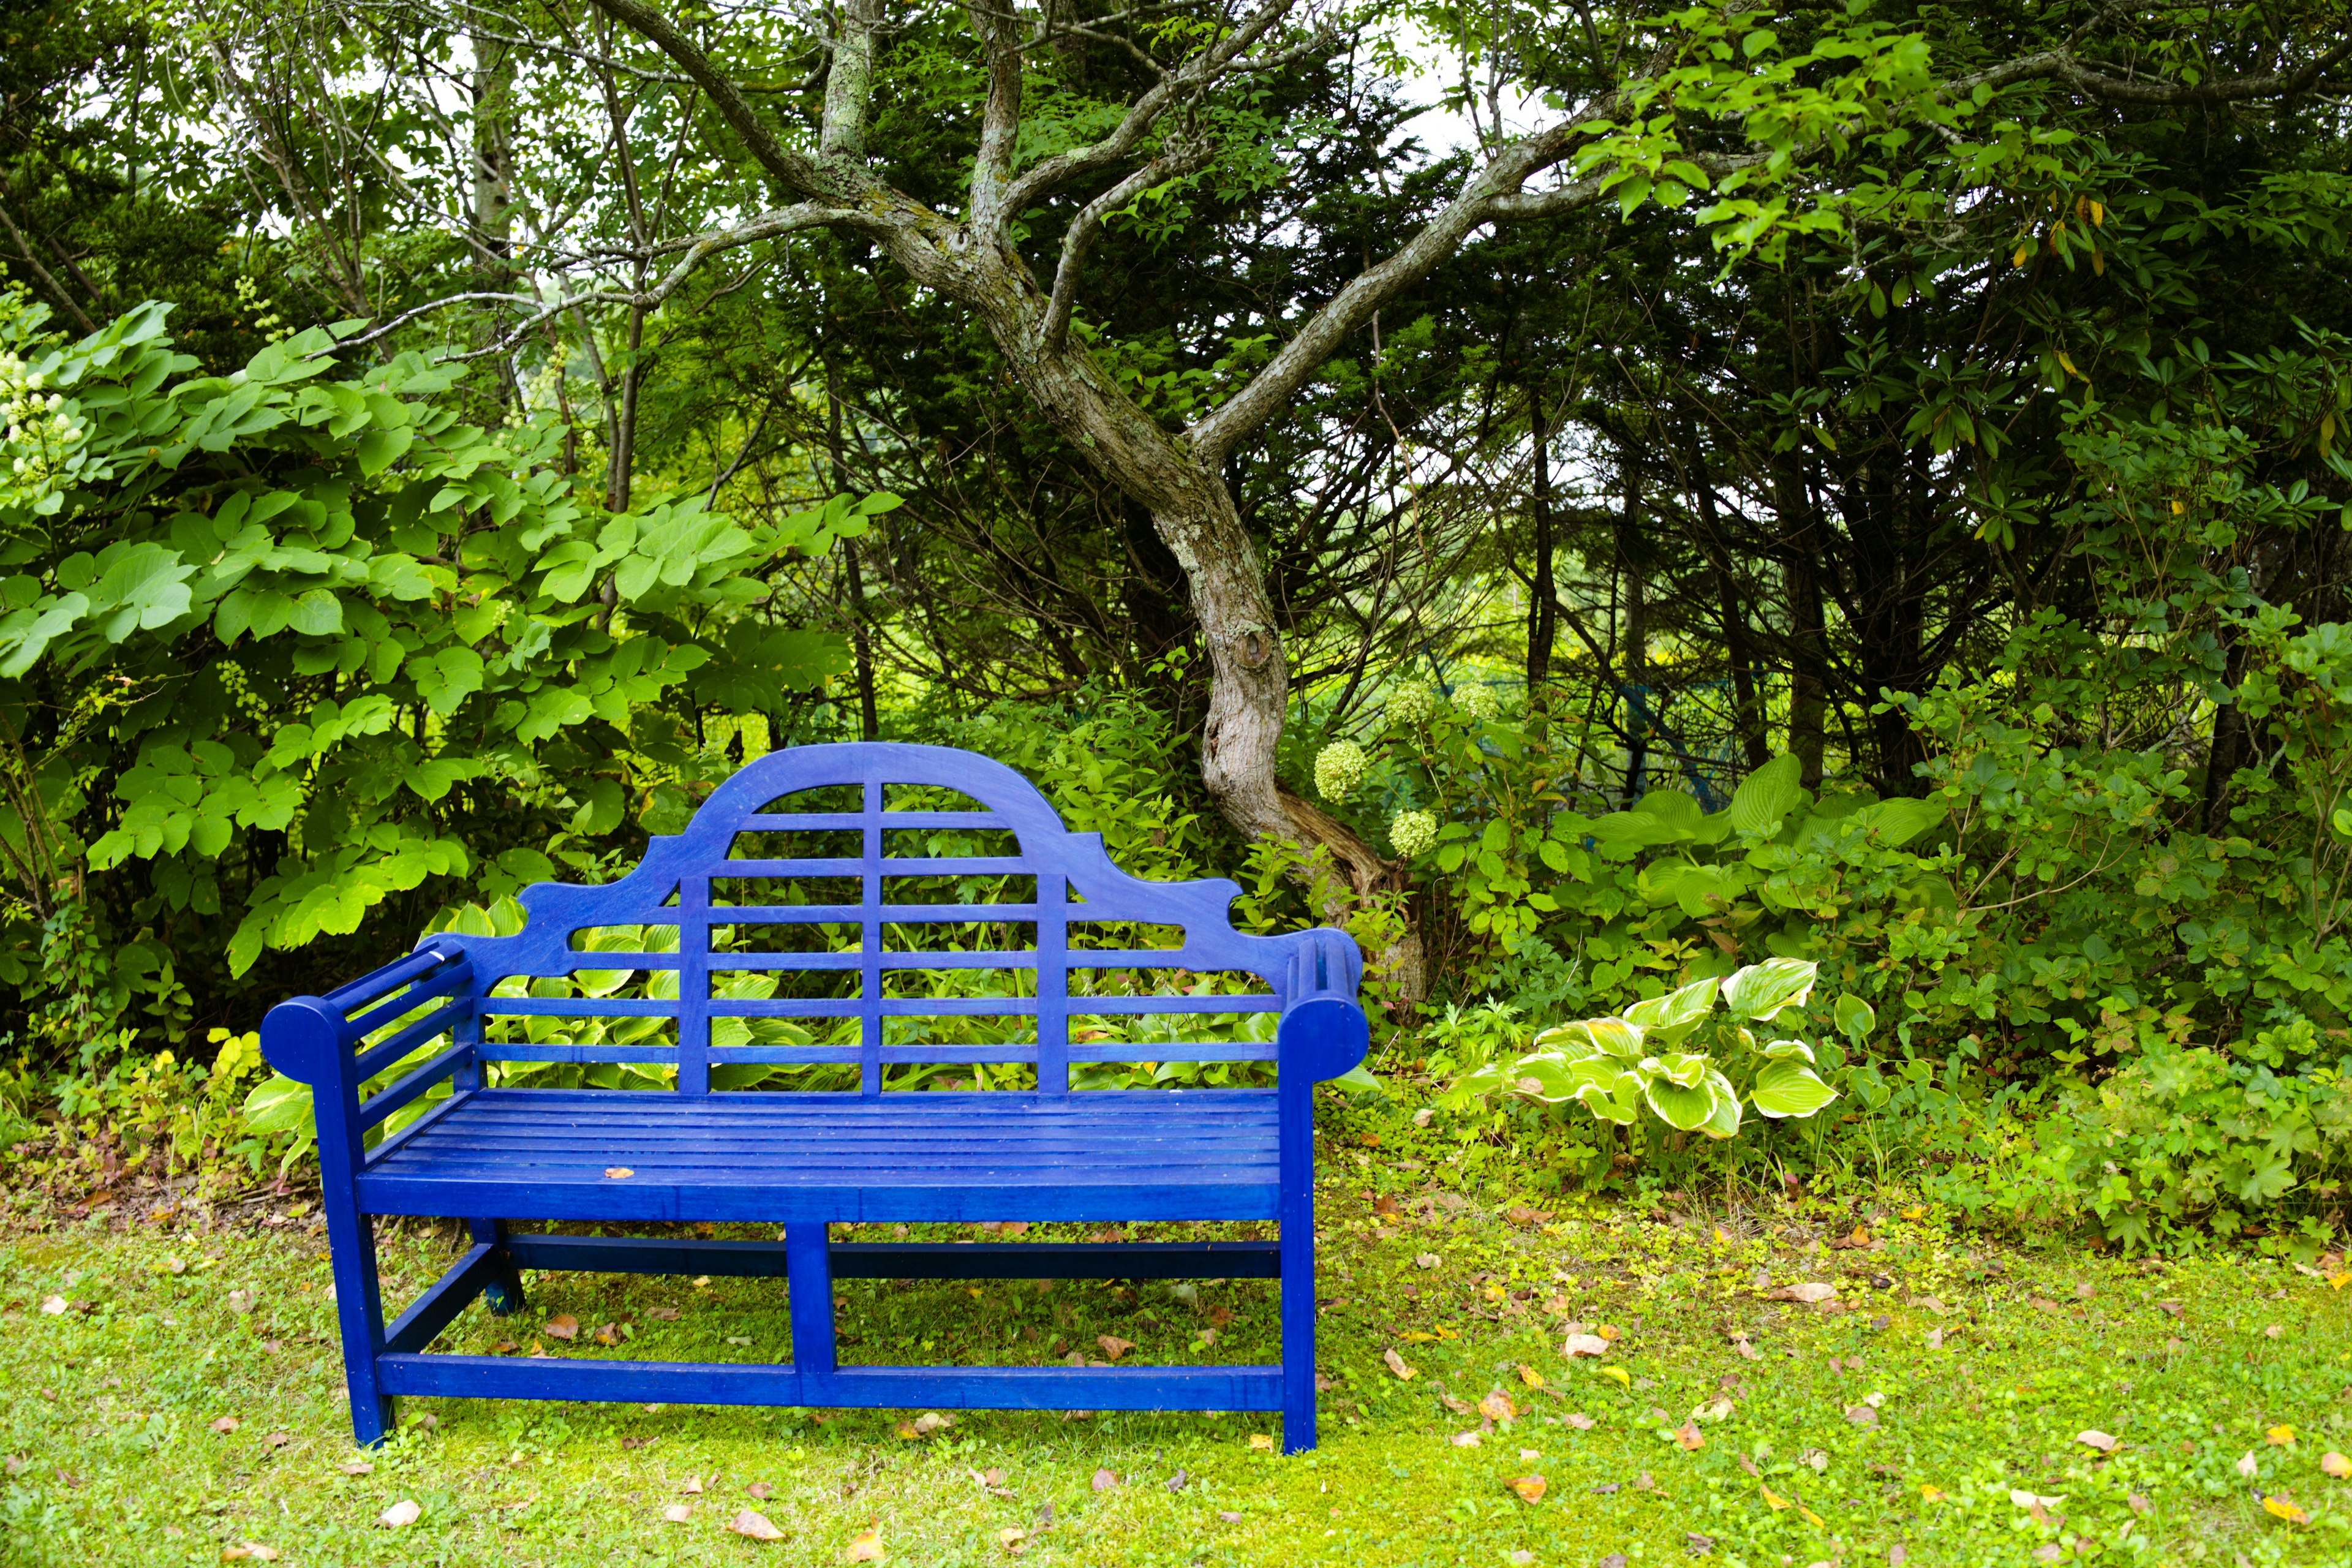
(1932,1404)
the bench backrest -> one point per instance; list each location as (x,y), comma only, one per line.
(803,862)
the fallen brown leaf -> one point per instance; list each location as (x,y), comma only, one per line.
(356,1468)
(1580,1420)
(759,1491)
(1688,1439)
(2335,1464)
(1583,1344)
(1497,1406)
(752,1525)
(863,1547)
(562,1326)
(1805,1293)
(1105,1480)
(2096,1440)
(402,1514)
(678,1512)
(1459,1406)
(1396,1363)
(691,1486)
(1113,1346)
(226,1423)
(1530,1488)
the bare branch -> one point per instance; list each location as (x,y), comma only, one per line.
(999,123)
(41,272)
(1178,159)
(1187,81)
(793,171)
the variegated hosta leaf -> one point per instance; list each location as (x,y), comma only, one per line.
(1762,989)
(1481,1080)
(1621,1038)
(1684,1110)
(1685,1070)
(1668,1019)
(1617,1103)
(1788,1088)
(1725,1121)
(1775,1050)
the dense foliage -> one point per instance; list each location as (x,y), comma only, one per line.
(1849,492)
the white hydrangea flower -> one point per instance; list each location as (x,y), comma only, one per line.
(1338,769)
(1412,703)
(1413,833)
(1478,701)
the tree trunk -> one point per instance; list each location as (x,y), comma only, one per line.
(1633,654)
(493,193)
(1808,636)
(1543,600)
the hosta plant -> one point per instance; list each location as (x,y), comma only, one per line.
(1694,1068)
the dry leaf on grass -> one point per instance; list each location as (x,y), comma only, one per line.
(1530,1488)
(866,1547)
(400,1515)
(2028,1500)
(678,1512)
(1583,1344)
(356,1468)
(248,1550)
(1105,1480)
(1011,1537)
(226,1423)
(1580,1420)
(562,1326)
(2096,1440)
(1396,1363)
(1531,1376)
(753,1525)
(1261,1442)
(1772,1499)
(278,1439)
(1465,1439)
(1113,1346)
(2279,1437)
(2284,1508)
(1459,1406)
(692,1485)
(610,1335)
(1747,1351)
(1497,1406)
(1934,1339)
(1862,1415)
(759,1491)
(1805,1293)
(2335,1464)
(1228,1516)
(2248,1464)
(1426,1260)
(2273,1331)
(53,1306)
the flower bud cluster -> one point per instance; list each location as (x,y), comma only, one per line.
(1413,833)
(1339,769)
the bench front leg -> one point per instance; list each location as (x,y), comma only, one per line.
(1323,1034)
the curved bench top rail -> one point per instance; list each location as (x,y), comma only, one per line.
(688,882)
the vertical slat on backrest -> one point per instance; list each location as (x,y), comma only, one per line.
(1053,985)
(694,984)
(869,980)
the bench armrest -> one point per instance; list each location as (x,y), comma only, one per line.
(320,1041)
(1323,1031)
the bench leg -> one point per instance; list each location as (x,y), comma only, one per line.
(808,1278)
(1298,1330)
(359,1312)
(503,1294)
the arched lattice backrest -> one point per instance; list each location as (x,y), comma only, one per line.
(797,867)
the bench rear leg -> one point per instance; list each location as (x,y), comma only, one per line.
(503,1294)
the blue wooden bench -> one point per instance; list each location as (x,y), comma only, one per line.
(820,916)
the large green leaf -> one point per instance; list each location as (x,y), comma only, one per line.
(1684,1110)
(1685,1069)
(1616,1037)
(1768,795)
(1762,989)
(1669,1019)
(1725,1121)
(1896,822)
(1788,1087)
(1854,1018)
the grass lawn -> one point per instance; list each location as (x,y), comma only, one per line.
(1920,1424)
